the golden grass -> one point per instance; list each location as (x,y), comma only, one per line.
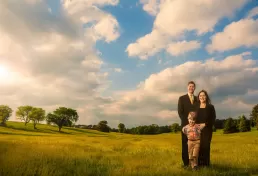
(25,151)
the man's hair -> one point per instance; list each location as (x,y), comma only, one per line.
(191,82)
(192,115)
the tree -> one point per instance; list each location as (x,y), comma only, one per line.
(175,127)
(102,126)
(244,124)
(22,113)
(36,115)
(214,129)
(61,116)
(230,126)
(257,123)
(121,128)
(5,113)
(254,116)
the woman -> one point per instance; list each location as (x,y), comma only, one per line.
(205,114)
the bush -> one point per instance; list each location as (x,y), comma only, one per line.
(175,127)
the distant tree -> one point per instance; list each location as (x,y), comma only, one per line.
(175,127)
(254,116)
(23,112)
(219,123)
(5,113)
(102,126)
(121,128)
(230,126)
(257,123)
(244,124)
(214,128)
(61,115)
(36,115)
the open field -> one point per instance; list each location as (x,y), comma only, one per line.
(25,151)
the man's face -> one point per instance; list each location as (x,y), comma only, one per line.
(191,88)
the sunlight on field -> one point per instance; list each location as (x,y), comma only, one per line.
(86,152)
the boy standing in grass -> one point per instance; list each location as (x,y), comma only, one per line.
(193,133)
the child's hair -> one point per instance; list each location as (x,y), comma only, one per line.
(192,115)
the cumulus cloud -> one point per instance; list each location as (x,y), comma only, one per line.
(253,12)
(237,34)
(177,17)
(182,47)
(231,83)
(51,59)
(152,6)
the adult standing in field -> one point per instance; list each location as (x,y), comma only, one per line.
(205,114)
(186,103)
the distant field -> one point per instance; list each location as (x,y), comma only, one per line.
(46,152)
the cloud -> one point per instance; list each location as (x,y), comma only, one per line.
(151,6)
(237,34)
(177,17)
(118,70)
(231,84)
(182,47)
(51,58)
(253,12)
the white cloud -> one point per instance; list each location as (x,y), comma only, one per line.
(237,34)
(50,58)
(152,6)
(177,17)
(148,45)
(231,83)
(118,70)
(253,12)
(182,47)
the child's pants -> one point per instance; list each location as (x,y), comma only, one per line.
(193,152)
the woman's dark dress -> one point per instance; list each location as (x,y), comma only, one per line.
(206,115)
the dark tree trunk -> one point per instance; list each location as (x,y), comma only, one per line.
(35,125)
(59,128)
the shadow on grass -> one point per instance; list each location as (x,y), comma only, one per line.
(86,132)
(220,169)
(17,134)
(49,131)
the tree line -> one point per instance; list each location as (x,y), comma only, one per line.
(63,116)
(229,125)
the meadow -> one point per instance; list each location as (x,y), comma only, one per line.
(78,152)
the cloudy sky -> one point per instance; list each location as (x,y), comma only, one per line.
(128,60)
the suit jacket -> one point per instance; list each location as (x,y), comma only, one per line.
(185,106)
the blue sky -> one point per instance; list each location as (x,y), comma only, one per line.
(128,60)
(135,22)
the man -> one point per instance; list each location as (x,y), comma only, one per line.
(186,103)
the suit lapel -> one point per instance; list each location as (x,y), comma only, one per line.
(188,98)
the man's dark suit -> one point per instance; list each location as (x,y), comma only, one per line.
(184,107)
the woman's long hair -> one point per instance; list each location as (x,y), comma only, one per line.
(208,100)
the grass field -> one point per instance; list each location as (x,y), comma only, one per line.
(46,152)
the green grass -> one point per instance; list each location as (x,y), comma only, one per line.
(25,151)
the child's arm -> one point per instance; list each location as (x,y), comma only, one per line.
(184,129)
(202,125)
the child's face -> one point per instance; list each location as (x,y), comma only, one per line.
(191,122)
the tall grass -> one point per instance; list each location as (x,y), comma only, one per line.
(24,151)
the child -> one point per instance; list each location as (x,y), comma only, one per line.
(193,132)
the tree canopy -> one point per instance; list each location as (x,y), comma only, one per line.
(61,116)
(5,113)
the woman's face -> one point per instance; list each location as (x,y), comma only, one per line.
(202,97)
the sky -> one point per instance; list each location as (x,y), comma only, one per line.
(128,61)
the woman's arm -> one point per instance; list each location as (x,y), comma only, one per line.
(211,116)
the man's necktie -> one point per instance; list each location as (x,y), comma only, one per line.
(192,99)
